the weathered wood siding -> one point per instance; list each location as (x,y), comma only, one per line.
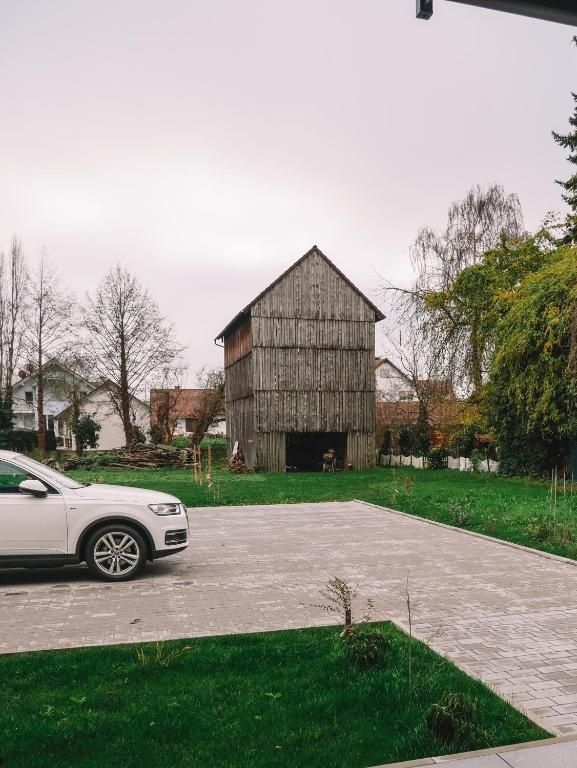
(322,334)
(239,393)
(361,449)
(271,451)
(313,290)
(303,363)
(313,352)
(238,344)
(314,412)
(298,369)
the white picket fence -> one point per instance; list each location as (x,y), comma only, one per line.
(420,462)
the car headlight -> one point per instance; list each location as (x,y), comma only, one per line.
(165,509)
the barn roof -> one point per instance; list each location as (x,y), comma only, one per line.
(246,311)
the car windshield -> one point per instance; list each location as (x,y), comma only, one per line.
(52,475)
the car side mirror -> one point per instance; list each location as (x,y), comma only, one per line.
(33,487)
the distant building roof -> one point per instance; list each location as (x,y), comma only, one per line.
(399,414)
(183,403)
(104,385)
(441,388)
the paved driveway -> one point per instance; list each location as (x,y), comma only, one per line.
(505,615)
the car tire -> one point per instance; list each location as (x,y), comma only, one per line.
(116,552)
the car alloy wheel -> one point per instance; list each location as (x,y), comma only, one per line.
(116,553)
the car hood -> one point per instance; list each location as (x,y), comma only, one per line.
(101,492)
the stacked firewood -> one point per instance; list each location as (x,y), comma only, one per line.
(237,463)
(138,456)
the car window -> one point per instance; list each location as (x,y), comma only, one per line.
(11,477)
(51,475)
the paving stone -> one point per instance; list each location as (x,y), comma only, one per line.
(563,755)
(505,615)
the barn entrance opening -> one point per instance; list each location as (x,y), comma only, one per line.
(305,450)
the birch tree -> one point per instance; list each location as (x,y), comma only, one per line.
(475,225)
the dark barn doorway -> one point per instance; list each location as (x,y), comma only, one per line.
(304,450)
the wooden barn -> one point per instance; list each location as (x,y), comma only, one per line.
(300,373)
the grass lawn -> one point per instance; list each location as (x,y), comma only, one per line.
(267,700)
(508,508)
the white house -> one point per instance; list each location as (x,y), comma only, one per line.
(59,382)
(391,384)
(98,404)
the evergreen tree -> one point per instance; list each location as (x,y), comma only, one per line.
(6,421)
(86,432)
(569,141)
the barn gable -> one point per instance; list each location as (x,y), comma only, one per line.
(312,287)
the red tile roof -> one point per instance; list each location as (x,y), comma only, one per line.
(183,403)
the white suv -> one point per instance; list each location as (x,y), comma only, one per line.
(47,518)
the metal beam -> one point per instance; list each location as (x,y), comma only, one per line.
(561,11)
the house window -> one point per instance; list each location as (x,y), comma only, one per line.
(29,396)
(50,423)
(189,425)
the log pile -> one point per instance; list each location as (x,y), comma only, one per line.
(139,456)
(237,464)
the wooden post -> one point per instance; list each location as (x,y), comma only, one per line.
(209,467)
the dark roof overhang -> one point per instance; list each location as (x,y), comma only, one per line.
(560,11)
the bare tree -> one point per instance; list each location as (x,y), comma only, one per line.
(166,399)
(75,381)
(475,225)
(212,405)
(429,366)
(128,339)
(12,302)
(12,299)
(48,329)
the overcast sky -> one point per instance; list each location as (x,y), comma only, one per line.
(207,145)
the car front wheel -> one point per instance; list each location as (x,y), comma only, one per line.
(116,552)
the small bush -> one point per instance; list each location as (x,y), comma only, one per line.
(180,441)
(490,525)
(437,458)
(102,459)
(452,719)
(461,512)
(363,647)
(158,655)
(405,439)
(50,440)
(156,435)
(477,457)
(138,435)
(541,528)
(23,441)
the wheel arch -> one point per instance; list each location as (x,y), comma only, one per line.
(104,521)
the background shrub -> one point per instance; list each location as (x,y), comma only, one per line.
(452,719)
(364,647)
(437,458)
